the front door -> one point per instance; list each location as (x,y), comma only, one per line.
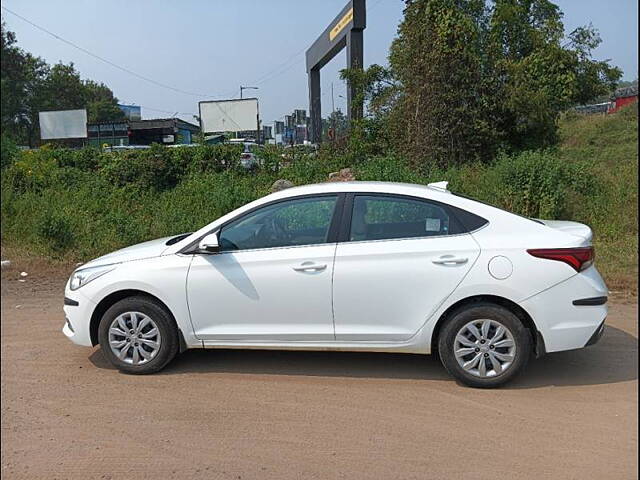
(402,259)
(271,280)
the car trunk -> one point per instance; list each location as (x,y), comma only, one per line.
(576,229)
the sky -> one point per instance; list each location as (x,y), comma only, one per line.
(207,49)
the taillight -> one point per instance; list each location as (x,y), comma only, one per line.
(579,258)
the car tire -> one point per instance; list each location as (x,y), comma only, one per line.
(150,339)
(487,361)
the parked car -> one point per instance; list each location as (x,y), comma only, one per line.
(248,159)
(362,266)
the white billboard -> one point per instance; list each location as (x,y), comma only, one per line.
(229,115)
(63,124)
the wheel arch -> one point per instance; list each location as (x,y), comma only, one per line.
(114,297)
(521,313)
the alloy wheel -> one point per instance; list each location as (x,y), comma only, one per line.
(484,348)
(134,338)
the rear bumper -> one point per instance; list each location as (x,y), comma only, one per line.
(564,325)
(597,335)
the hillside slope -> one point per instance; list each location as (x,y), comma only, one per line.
(609,143)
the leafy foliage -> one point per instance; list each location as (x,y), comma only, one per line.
(469,79)
(30,85)
(112,199)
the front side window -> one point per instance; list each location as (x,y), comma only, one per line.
(382,217)
(303,221)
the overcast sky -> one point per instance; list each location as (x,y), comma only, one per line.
(210,48)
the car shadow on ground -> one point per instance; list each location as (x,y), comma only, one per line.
(614,359)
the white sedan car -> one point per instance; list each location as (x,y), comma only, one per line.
(361,266)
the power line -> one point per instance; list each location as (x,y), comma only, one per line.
(109,62)
(172,112)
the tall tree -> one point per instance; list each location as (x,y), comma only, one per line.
(444,113)
(538,72)
(30,86)
(21,77)
(475,77)
(101,104)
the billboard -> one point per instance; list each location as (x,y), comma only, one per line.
(229,115)
(131,112)
(63,124)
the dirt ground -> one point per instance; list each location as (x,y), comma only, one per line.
(232,414)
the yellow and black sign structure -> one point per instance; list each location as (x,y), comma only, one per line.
(343,22)
(346,30)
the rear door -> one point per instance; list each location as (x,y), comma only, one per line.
(401,258)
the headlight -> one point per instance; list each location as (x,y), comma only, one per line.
(81,277)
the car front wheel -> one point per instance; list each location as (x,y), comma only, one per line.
(138,335)
(484,345)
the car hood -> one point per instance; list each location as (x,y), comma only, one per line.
(150,249)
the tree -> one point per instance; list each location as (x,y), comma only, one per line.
(30,86)
(537,75)
(469,78)
(101,104)
(21,77)
(337,122)
(444,113)
(376,91)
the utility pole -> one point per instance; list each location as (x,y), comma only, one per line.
(333,115)
(333,106)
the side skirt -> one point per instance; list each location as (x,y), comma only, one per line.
(407,347)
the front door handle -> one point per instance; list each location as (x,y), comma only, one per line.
(310,267)
(450,260)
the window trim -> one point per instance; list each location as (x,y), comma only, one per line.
(344,235)
(332,235)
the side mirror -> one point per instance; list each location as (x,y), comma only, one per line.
(209,243)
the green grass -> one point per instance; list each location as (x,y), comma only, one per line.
(76,205)
(610,144)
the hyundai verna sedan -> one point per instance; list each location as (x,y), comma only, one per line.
(360,266)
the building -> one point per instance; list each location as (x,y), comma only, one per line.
(300,117)
(623,96)
(165,131)
(289,122)
(266,132)
(295,128)
(109,133)
(594,108)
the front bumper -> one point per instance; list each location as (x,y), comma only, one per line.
(77,310)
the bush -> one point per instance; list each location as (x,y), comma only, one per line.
(86,202)
(8,152)
(56,230)
(535,184)
(32,172)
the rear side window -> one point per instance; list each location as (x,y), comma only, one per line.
(469,221)
(376,217)
(381,217)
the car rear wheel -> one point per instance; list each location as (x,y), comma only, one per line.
(484,345)
(138,335)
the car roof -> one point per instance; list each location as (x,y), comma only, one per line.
(501,220)
(360,186)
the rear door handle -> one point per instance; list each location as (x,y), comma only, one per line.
(450,260)
(310,267)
